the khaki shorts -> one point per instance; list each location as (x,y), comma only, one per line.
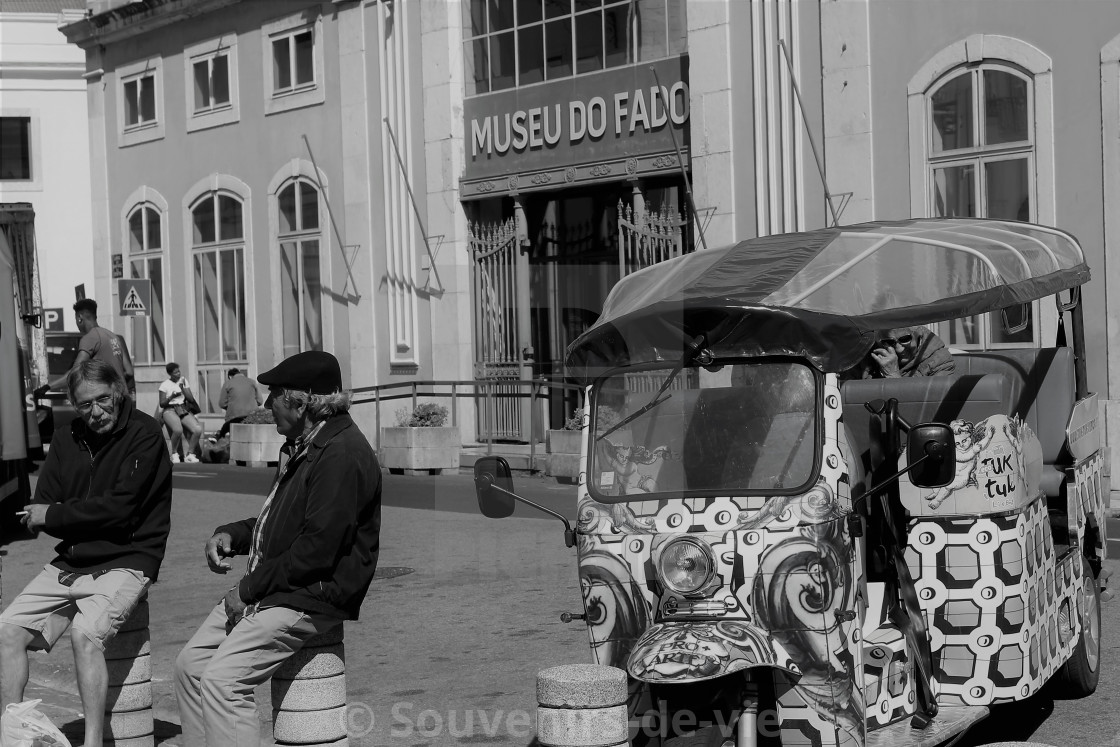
(96,605)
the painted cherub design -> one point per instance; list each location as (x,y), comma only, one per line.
(625,461)
(971,439)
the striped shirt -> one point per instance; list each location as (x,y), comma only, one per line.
(298,451)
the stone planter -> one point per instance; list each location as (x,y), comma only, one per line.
(255,445)
(420,450)
(563,454)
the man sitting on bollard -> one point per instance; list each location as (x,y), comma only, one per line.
(105,491)
(312,553)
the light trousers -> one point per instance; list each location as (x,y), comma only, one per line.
(216,673)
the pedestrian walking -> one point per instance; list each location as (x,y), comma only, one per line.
(178,408)
(105,492)
(312,552)
(97,343)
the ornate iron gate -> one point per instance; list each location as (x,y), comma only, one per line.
(499,282)
(645,239)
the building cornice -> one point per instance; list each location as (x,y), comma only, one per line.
(62,17)
(135,19)
(42,70)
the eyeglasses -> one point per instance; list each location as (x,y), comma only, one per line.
(104,403)
(890,342)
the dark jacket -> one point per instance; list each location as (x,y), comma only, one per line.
(320,542)
(112,501)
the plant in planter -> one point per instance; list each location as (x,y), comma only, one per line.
(424,415)
(254,441)
(421,442)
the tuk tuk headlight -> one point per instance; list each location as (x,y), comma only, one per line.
(686,565)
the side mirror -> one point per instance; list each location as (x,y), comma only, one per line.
(931,454)
(493,482)
(489,473)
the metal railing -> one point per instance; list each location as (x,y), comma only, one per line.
(491,394)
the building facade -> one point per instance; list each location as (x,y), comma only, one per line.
(447,190)
(44,142)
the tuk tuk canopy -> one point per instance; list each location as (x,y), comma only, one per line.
(823,295)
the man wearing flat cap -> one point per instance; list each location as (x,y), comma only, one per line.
(311,553)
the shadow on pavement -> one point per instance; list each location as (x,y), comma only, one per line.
(1011,721)
(75,730)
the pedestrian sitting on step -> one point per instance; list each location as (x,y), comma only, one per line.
(105,492)
(312,553)
(178,408)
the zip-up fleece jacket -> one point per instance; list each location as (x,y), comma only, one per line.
(110,497)
(320,540)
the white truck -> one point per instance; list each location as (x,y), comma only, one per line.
(22,356)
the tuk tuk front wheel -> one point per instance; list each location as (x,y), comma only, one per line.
(1078,677)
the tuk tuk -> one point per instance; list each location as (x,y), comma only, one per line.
(794,553)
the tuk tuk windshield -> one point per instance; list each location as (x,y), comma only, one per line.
(732,428)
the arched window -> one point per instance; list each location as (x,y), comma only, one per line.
(981,164)
(299,236)
(145,260)
(982,144)
(218,248)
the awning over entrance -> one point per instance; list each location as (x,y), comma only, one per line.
(578,175)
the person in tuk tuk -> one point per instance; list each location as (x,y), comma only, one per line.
(907,351)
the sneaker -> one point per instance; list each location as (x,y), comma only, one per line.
(191,459)
(174,458)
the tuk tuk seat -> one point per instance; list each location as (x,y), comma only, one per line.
(921,399)
(1043,392)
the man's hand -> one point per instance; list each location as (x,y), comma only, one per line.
(219,546)
(41,392)
(35,516)
(887,360)
(235,608)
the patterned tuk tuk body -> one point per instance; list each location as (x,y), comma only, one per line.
(789,593)
(1001,599)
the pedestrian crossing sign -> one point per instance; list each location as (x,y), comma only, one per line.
(135,296)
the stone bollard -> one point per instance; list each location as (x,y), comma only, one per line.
(309,694)
(128,708)
(582,705)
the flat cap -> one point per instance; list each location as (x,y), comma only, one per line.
(312,371)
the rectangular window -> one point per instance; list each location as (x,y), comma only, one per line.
(501,61)
(954,189)
(511,44)
(15,148)
(140,101)
(530,55)
(293,61)
(558,48)
(478,66)
(616,34)
(589,42)
(147,332)
(211,94)
(653,39)
(220,306)
(211,83)
(1008,189)
(301,296)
